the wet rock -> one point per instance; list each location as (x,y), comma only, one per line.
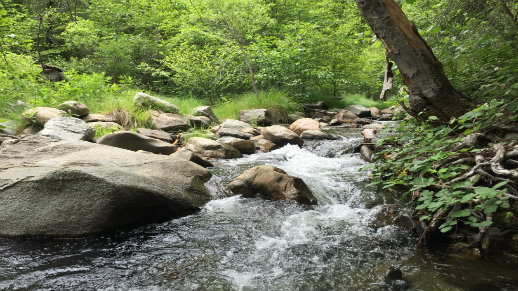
(156,134)
(74,108)
(76,188)
(133,141)
(234,133)
(256,138)
(375,112)
(463,251)
(304,124)
(145,101)
(273,183)
(315,134)
(67,128)
(187,155)
(98,118)
(257,116)
(212,149)
(366,153)
(242,145)
(207,112)
(385,117)
(265,145)
(281,136)
(40,115)
(359,110)
(169,122)
(199,121)
(404,220)
(345,116)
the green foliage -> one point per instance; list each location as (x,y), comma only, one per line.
(197,132)
(416,160)
(101,131)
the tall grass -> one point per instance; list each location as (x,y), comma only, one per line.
(276,101)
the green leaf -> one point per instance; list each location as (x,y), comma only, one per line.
(467,198)
(460,213)
(486,192)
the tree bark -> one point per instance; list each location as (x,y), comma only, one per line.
(430,91)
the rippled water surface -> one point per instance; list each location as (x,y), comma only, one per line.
(235,243)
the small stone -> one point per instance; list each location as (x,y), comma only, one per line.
(74,108)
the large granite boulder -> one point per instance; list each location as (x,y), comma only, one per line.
(281,136)
(75,188)
(212,149)
(257,116)
(187,155)
(273,183)
(207,112)
(67,128)
(169,122)
(304,124)
(40,115)
(74,108)
(359,110)
(137,142)
(145,101)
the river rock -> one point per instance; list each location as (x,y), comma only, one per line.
(145,101)
(385,117)
(315,134)
(76,188)
(234,133)
(199,121)
(242,145)
(273,183)
(74,108)
(366,153)
(207,112)
(345,116)
(304,124)
(281,136)
(359,110)
(107,126)
(169,122)
(67,128)
(265,145)
(156,134)
(98,118)
(295,116)
(40,115)
(212,149)
(133,141)
(187,155)
(316,105)
(257,116)
(238,125)
(375,112)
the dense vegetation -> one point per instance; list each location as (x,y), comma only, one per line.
(193,52)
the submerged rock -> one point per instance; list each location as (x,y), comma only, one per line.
(273,183)
(76,188)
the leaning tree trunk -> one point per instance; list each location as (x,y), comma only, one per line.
(431,93)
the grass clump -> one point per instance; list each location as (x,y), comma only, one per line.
(276,101)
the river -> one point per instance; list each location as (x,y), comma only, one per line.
(237,243)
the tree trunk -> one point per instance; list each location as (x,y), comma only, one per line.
(431,93)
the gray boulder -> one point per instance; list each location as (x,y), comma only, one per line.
(238,125)
(207,112)
(199,121)
(273,183)
(40,115)
(212,149)
(134,142)
(99,118)
(169,122)
(315,134)
(359,110)
(145,101)
(265,145)
(67,128)
(77,188)
(187,155)
(234,133)
(257,116)
(281,136)
(156,134)
(74,108)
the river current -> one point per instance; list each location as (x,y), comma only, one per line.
(237,243)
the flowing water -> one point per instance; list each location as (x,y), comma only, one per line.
(237,243)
